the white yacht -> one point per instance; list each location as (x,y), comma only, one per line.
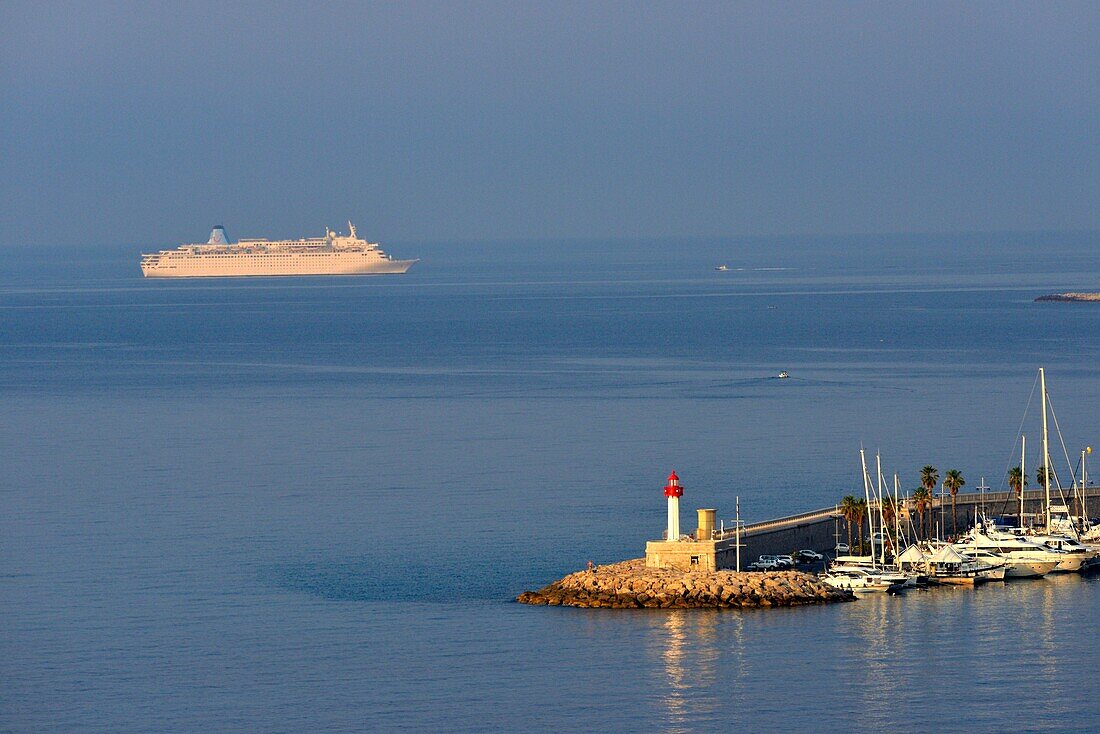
(996,563)
(1023,558)
(1077,556)
(868,564)
(861,580)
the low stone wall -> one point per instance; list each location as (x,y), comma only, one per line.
(630,584)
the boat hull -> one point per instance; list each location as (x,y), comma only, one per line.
(958,580)
(1021,569)
(1071,564)
(269,266)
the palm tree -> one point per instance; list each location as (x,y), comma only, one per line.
(889,512)
(954,481)
(861,513)
(1017,480)
(929,478)
(1041,476)
(848,510)
(922,497)
(1015,477)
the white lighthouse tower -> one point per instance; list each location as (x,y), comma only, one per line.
(674,492)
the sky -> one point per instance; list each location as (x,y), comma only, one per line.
(150,122)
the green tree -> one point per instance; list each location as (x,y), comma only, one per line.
(922,501)
(1041,476)
(929,478)
(889,512)
(954,481)
(861,513)
(1016,481)
(848,510)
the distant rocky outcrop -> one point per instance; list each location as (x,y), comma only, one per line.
(1070,297)
(629,585)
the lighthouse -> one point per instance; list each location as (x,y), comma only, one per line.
(707,550)
(673,491)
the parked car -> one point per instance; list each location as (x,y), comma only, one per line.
(763,565)
(808,556)
(777,561)
(841,549)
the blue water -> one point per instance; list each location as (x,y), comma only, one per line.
(304,505)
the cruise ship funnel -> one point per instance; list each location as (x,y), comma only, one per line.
(217,236)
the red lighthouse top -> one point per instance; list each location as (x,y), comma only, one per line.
(673,488)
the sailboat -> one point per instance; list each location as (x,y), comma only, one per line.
(869,573)
(1034,552)
(1077,556)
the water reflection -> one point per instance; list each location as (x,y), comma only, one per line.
(923,649)
(876,649)
(692,645)
(676,670)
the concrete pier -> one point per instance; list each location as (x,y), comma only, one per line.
(816,530)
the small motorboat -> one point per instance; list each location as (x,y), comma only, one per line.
(722,268)
(784,375)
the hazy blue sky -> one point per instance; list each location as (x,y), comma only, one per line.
(149,122)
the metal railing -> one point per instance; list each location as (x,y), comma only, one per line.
(991,499)
(780,522)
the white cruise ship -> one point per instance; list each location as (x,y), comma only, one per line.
(333,254)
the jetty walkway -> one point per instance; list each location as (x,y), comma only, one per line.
(818,529)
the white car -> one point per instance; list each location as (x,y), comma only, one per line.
(778,561)
(842,549)
(763,564)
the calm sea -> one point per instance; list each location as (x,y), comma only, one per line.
(304,505)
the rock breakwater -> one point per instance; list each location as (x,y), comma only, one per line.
(630,585)
(1079,297)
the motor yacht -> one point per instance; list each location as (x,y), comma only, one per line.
(868,564)
(1023,558)
(860,580)
(1076,556)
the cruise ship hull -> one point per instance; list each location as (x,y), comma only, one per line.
(260,265)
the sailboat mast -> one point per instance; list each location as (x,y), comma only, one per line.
(981,489)
(897,523)
(867,497)
(737,530)
(1046,447)
(1084,487)
(881,517)
(1023,477)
